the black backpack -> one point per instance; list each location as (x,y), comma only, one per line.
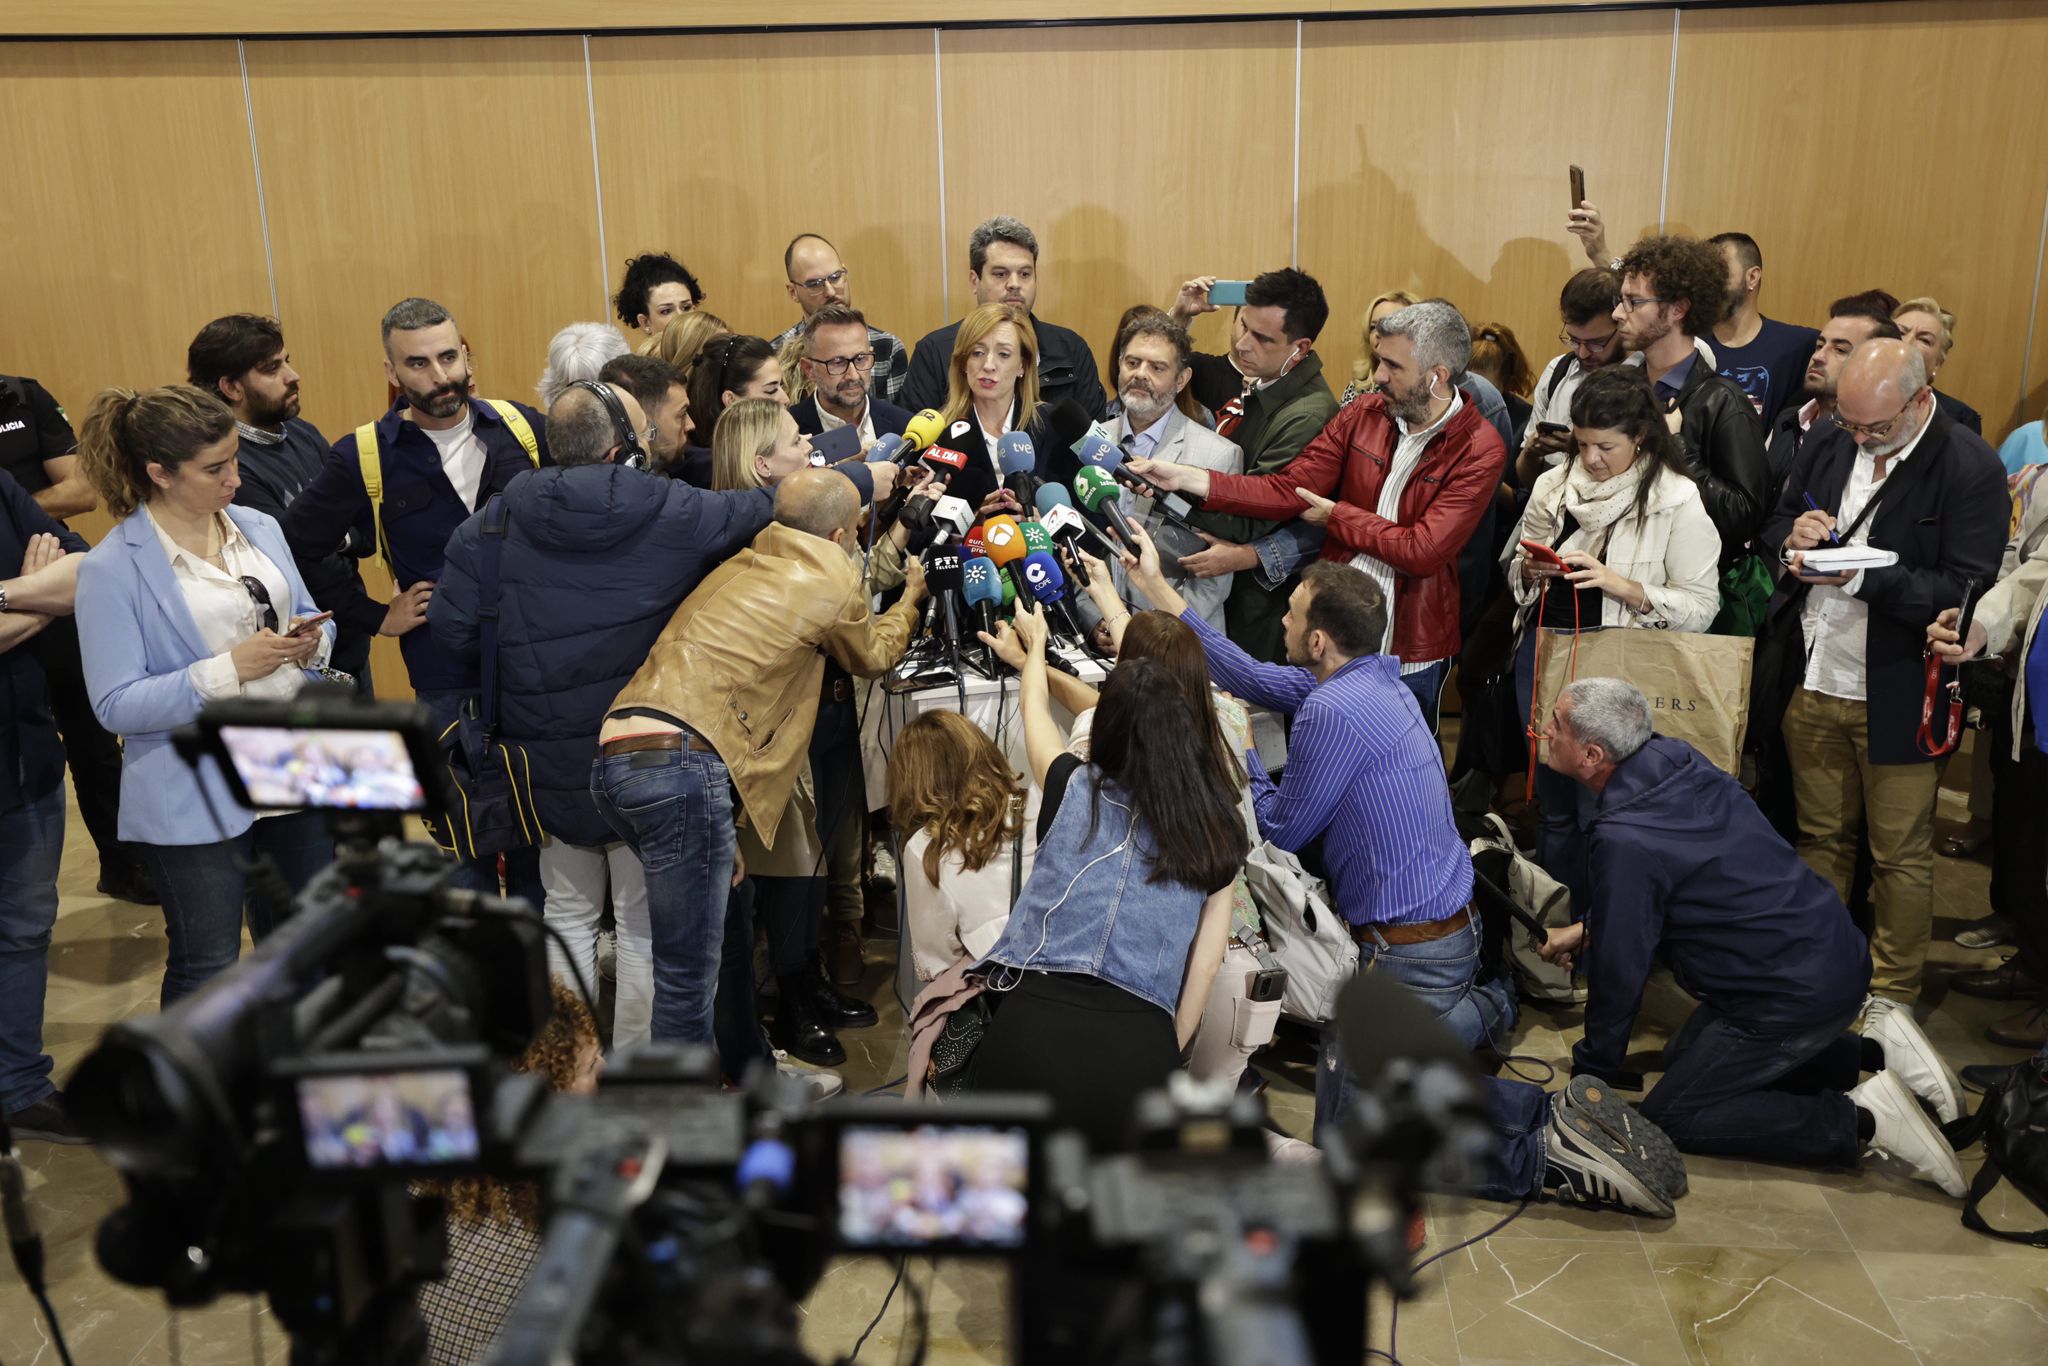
(2013,1122)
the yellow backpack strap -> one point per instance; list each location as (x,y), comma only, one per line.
(373,484)
(521,428)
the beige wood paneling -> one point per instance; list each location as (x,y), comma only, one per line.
(720,148)
(130,217)
(1434,158)
(454,168)
(1140,156)
(1895,147)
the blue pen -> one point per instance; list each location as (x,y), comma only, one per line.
(1815,507)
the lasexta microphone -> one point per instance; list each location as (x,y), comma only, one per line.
(1099,493)
(1019,461)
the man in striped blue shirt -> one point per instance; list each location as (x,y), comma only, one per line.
(1364,774)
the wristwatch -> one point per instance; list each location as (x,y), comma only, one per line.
(3,599)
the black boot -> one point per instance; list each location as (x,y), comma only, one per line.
(837,1008)
(798,1028)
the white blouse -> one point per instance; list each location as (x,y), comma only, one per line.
(227,613)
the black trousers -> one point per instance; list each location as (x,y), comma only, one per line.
(93,754)
(2019,856)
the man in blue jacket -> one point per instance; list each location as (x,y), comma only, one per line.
(1686,868)
(404,483)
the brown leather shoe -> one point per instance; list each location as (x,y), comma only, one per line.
(845,954)
(2006,982)
(2028,1030)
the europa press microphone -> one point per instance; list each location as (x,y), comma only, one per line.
(1100,494)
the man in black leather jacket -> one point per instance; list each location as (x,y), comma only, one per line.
(1672,290)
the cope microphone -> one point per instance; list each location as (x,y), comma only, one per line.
(1099,493)
(1019,461)
(1047,584)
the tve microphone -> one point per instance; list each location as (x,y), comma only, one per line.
(1096,449)
(1019,460)
(982,585)
(891,447)
(1042,576)
(1099,493)
(1065,526)
(1003,541)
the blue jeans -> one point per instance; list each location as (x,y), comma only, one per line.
(1521,1118)
(522,866)
(1566,807)
(205,889)
(31,851)
(1442,975)
(1428,686)
(674,807)
(1773,1093)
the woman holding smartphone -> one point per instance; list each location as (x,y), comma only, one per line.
(192,599)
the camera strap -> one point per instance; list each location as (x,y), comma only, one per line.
(489,551)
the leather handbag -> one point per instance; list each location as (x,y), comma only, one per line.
(953,1050)
(491,811)
(2013,1122)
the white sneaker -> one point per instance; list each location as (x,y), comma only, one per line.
(608,955)
(1872,1007)
(824,1082)
(1988,933)
(1906,1135)
(882,868)
(1910,1057)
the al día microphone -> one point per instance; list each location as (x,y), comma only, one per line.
(1099,493)
(944,463)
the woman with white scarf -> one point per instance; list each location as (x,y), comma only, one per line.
(1639,550)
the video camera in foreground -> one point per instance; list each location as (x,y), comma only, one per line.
(273,1129)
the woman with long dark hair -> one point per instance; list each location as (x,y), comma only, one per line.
(1637,549)
(1110,952)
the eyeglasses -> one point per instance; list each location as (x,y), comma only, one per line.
(1630,303)
(1586,343)
(261,595)
(1875,430)
(814,285)
(863,362)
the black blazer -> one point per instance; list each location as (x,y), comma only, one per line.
(1057,462)
(890,420)
(1947,516)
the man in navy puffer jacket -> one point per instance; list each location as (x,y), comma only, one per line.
(597,557)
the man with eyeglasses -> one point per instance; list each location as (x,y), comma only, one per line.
(839,363)
(1591,339)
(819,279)
(1895,474)
(1673,290)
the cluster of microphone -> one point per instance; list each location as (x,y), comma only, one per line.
(975,571)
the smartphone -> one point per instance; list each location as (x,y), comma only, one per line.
(1266,984)
(309,625)
(841,443)
(1578,186)
(1228,293)
(1554,428)
(1543,553)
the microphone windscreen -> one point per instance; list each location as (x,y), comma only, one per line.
(1009,586)
(923,429)
(1063,519)
(1068,420)
(888,448)
(1016,454)
(1051,496)
(1379,1021)
(944,458)
(1036,537)
(1003,540)
(1098,450)
(979,582)
(942,572)
(1042,574)
(1094,488)
(975,542)
(953,514)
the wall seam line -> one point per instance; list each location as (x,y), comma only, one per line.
(256,165)
(1670,117)
(1294,248)
(939,125)
(597,187)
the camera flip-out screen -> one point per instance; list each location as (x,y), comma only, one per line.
(421,1118)
(296,768)
(933,1186)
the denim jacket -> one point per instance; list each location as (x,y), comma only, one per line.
(1088,908)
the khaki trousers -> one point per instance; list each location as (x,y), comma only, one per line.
(1839,792)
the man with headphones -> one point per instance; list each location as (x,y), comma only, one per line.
(1400,478)
(598,555)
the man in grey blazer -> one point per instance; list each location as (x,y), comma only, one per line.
(1154,366)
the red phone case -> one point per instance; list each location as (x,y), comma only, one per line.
(1537,550)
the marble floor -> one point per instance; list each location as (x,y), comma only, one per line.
(1762,1264)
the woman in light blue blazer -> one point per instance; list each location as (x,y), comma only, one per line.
(190,600)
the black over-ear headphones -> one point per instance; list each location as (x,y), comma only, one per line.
(632,454)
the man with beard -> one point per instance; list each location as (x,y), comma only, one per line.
(1673,290)
(664,398)
(1399,479)
(1002,268)
(1852,321)
(403,484)
(1899,475)
(1760,354)
(1154,366)
(840,361)
(242,358)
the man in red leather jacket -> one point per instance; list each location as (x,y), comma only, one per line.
(1400,477)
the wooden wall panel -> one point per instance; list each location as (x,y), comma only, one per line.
(1434,158)
(722,148)
(1876,145)
(2034,402)
(455,168)
(130,217)
(1140,156)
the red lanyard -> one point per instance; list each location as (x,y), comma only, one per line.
(1931,745)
